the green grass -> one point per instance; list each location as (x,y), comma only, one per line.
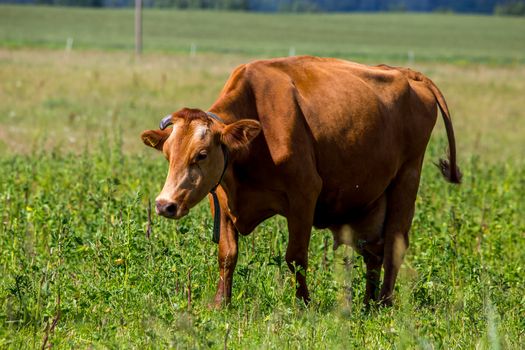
(73,227)
(370,37)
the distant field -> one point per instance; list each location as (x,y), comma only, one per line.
(64,101)
(370,37)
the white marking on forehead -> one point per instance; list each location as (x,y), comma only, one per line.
(174,130)
(200,132)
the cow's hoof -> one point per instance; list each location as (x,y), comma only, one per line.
(214,306)
(302,293)
(385,302)
(219,303)
(370,304)
(305,299)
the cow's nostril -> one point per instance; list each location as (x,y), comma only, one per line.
(171,209)
(166,209)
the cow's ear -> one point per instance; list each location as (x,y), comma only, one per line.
(155,138)
(239,134)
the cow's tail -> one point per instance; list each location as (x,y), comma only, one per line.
(449,167)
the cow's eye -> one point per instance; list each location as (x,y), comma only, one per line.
(201,156)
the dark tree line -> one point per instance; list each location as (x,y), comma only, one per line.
(512,7)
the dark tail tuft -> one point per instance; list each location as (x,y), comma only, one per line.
(453,175)
(449,167)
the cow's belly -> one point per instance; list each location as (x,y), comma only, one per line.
(343,198)
(355,172)
(359,150)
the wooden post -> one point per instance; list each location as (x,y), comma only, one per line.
(138,27)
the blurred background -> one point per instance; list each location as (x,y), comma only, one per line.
(72,72)
(511,7)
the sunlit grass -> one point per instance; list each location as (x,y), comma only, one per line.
(73,226)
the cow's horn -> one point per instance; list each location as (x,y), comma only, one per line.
(165,122)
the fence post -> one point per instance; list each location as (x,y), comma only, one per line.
(138,27)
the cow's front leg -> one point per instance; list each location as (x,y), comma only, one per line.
(227,260)
(299,231)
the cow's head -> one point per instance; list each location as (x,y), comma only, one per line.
(195,148)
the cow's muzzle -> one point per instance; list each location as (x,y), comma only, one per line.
(169,209)
(165,208)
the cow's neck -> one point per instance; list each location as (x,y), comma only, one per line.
(246,204)
(230,187)
(250,196)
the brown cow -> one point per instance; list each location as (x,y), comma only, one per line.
(323,142)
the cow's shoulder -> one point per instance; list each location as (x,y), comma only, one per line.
(235,78)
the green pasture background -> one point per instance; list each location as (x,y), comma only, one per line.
(77,269)
(431,37)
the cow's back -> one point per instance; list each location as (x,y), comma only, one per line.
(364,122)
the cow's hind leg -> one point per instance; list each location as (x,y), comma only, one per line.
(400,211)
(365,235)
(373,260)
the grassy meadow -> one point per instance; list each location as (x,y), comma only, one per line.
(77,269)
(386,37)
